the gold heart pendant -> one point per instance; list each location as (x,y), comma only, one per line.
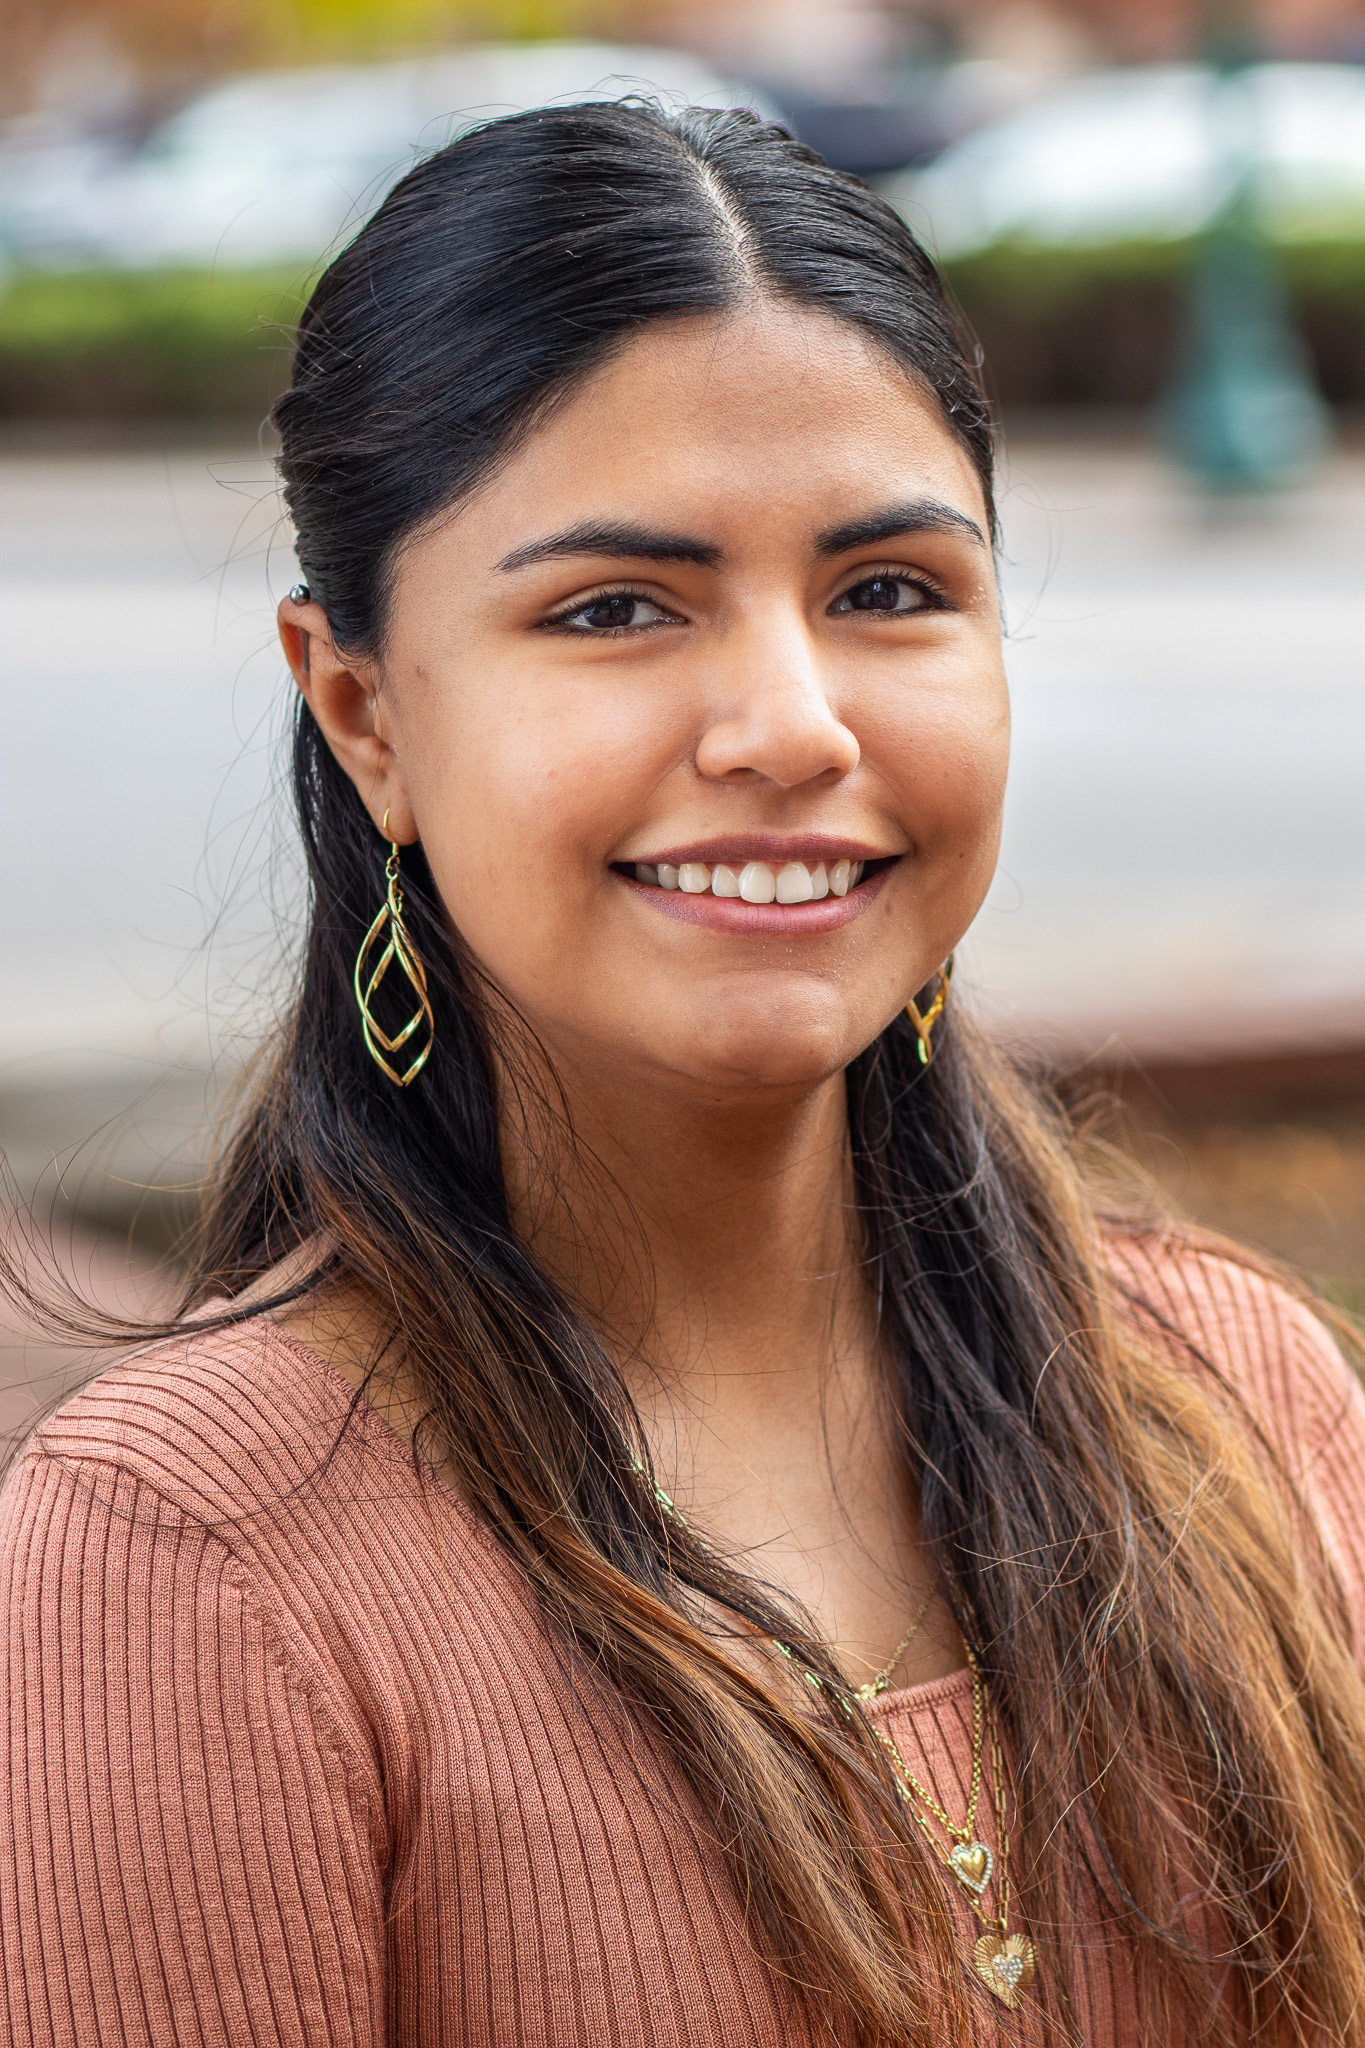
(972,1864)
(1005,1963)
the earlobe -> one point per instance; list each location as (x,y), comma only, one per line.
(342,695)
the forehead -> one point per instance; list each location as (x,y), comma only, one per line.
(764,411)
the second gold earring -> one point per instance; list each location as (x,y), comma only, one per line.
(924,1021)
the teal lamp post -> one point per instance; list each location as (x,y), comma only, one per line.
(1243,413)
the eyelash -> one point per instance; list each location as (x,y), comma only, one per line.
(883,572)
(608,590)
(888,572)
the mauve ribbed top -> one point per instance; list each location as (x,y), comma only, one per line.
(288,1758)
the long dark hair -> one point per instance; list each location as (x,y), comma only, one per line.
(1162,1667)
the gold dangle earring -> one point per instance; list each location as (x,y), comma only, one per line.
(924,1024)
(399,948)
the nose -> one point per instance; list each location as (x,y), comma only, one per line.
(773,717)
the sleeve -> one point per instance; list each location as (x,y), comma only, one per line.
(187,1853)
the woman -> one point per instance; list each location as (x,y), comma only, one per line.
(668,1516)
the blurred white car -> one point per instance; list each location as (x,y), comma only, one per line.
(1152,153)
(276,166)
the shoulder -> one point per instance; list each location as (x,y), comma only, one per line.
(187,1739)
(1262,1342)
(237,1453)
(248,1437)
(231,1473)
(1265,1350)
(217,1422)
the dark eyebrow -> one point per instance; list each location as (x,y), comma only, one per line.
(921,515)
(636,542)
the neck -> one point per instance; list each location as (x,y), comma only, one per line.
(713,1240)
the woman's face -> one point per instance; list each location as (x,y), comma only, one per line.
(728,618)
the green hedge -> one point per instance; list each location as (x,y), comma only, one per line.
(1058,326)
(1101,325)
(173,344)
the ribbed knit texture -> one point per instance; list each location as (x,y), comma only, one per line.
(289,1759)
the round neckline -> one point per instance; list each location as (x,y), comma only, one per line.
(931,1692)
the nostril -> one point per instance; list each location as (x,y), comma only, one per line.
(789,747)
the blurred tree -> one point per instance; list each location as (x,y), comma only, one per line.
(1146,30)
(170,45)
(313,28)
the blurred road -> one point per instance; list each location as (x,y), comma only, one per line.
(1184,860)
(141,675)
(1184,856)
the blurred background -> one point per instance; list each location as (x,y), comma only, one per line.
(1153,215)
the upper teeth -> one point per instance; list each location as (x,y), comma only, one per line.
(756,881)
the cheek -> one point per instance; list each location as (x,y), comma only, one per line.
(521,801)
(974,764)
(945,751)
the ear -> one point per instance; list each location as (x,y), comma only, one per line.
(343,696)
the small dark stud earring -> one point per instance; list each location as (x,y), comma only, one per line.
(300,594)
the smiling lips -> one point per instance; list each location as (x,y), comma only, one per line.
(755,881)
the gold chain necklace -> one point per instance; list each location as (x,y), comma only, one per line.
(875,1687)
(1006,1963)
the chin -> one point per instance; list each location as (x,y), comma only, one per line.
(775,1051)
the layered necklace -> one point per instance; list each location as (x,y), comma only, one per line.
(1006,1963)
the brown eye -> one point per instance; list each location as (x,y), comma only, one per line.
(617,612)
(884,594)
